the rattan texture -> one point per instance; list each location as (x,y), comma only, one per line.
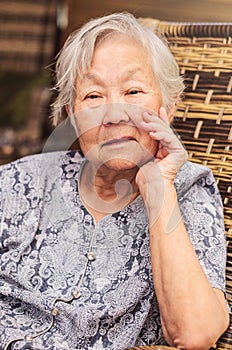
(155,347)
(203,119)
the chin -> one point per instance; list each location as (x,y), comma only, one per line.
(121,164)
(127,161)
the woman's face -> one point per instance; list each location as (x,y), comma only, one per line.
(110,99)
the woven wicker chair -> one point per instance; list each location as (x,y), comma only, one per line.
(203,52)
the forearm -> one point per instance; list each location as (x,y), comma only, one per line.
(188,305)
(192,313)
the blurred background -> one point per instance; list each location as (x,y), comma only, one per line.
(31,34)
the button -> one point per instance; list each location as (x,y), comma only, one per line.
(28,337)
(55,311)
(76,294)
(91,256)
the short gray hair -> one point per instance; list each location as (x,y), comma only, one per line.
(75,58)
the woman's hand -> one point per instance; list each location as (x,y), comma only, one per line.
(154,176)
(171,154)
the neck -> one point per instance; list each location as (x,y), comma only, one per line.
(106,191)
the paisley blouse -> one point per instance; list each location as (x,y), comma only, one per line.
(67,282)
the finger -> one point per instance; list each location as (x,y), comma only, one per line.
(166,138)
(159,129)
(163,115)
(154,125)
(172,149)
(149,117)
(153,122)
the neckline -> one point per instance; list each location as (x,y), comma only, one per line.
(107,215)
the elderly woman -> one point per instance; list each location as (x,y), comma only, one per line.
(121,243)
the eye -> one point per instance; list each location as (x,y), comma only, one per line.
(92,96)
(134,92)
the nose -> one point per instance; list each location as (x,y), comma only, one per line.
(115,113)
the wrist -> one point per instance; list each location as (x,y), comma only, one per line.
(162,204)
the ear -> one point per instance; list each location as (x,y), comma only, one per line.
(68,110)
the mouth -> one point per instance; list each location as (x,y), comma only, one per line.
(118,141)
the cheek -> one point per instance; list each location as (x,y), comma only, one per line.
(154,104)
(156,146)
(88,140)
(86,127)
(151,145)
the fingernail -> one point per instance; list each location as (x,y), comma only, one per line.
(147,115)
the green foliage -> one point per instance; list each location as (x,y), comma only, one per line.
(15,96)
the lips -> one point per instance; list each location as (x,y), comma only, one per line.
(119,140)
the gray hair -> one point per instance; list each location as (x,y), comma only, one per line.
(75,59)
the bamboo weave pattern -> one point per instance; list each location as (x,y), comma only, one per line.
(203,120)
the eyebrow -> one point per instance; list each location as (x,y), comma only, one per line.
(125,75)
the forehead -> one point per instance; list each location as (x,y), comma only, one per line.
(121,53)
(119,42)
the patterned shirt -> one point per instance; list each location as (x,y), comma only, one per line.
(46,233)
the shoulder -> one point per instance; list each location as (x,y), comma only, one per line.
(199,199)
(33,163)
(34,172)
(197,187)
(196,176)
